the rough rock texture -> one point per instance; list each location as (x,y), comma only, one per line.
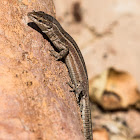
(35,100)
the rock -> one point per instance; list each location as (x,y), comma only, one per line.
(133,121)
(35,99)
(114,89)
(100,134)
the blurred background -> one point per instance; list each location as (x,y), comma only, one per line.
(108,34)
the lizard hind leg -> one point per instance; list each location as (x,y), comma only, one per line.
(77,89)
(59,55)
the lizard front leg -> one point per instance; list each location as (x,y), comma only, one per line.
(63,50)
(59,55)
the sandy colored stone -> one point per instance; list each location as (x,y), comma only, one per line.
(114,89)
(100,134)
(133,121)
(117,137)
(35,99)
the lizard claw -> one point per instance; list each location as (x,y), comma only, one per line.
(55,54)
(72,86)
(51,52)
(71,90)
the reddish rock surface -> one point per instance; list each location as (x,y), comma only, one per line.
(35,101)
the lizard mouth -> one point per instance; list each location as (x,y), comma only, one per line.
(33,18)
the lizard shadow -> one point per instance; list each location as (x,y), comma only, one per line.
(35,27)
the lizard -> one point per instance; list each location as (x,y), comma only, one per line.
(72,56)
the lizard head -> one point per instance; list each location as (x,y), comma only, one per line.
(44,21)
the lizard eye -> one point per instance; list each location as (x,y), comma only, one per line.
(40,20)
